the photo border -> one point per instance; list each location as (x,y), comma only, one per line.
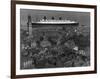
(13,38)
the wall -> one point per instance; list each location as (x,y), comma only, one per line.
(5,21)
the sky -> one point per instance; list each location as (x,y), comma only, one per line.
(82,17)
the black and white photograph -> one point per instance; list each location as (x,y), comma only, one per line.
(50,39)
(53,39)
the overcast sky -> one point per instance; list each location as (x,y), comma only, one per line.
(82,17)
